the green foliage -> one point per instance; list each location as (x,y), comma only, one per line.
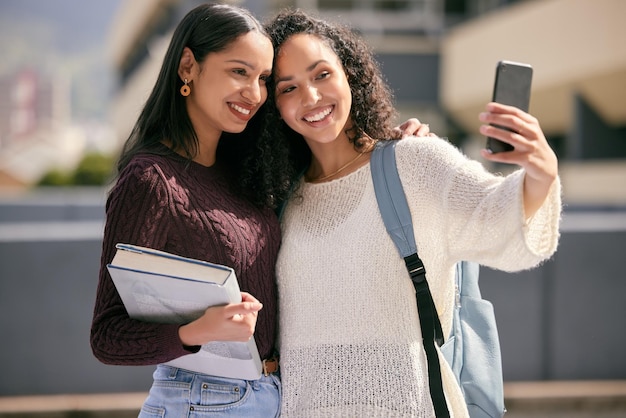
(94,169)
(55,177)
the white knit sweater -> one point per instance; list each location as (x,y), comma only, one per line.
(350,341)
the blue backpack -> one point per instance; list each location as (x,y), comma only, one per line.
(473,347)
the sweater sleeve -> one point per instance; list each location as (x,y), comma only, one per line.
(479,214)
(136,213)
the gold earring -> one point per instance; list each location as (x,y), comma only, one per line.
(185,89)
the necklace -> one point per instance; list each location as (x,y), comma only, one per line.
(339,170)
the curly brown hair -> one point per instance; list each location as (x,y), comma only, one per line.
(372,111)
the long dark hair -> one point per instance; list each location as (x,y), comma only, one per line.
(207,29)
(372,111)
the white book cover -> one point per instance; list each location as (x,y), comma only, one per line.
(157,286)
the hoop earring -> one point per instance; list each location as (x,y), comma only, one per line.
(185,90)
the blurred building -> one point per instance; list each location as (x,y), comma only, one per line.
(31,101)
(440,57)
(579,84)
(35,130)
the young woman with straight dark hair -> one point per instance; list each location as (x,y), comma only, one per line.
(193,180)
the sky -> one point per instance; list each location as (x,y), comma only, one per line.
(61,36)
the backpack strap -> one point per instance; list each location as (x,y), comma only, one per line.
(395,212)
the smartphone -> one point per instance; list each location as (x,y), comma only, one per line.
(512,87)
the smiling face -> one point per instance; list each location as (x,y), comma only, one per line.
(228,87)
(312,92)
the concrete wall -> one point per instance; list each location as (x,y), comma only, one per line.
(47,290)
(50,247)
(563,321)
(560,321)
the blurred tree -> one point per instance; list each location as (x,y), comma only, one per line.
(54,177)
(94,169)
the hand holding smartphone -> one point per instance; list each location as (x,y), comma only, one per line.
(512,87)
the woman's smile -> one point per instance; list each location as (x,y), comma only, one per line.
(242,111)
(318,115)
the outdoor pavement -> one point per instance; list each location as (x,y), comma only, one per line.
(575,399)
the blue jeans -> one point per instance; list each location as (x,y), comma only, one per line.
(178,392)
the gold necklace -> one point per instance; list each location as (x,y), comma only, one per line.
(339,170)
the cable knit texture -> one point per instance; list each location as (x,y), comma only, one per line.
(350,340)
(187,209)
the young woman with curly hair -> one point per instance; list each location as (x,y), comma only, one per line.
(349,334)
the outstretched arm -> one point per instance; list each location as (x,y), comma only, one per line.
(532,151)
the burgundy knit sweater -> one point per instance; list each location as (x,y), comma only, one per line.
(166,203)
